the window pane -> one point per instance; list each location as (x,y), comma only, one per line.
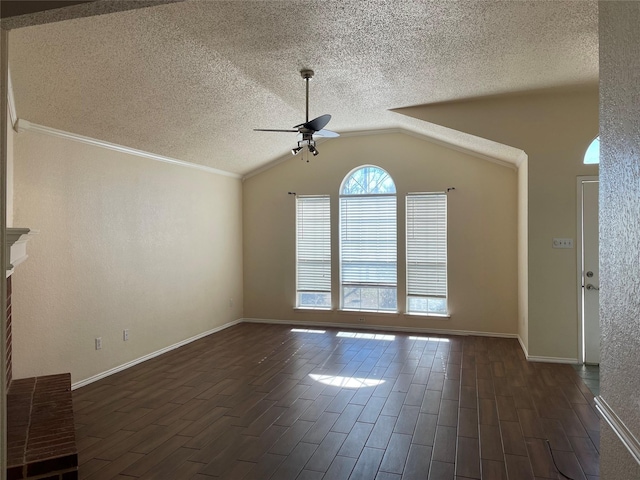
(315,300)
(427,305)
(366,181)
(593,152)
(370,298)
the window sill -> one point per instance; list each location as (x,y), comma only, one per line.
(428,315)
(313,309)
(384,313)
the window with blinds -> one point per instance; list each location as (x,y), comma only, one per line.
(368,241)
(313,252)
(427,253)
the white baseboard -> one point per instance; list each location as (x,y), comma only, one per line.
(151,355)
(570,361)
(380,327)
(534,358)
(524,348)
(620,429)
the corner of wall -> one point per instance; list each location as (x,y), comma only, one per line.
(523,250)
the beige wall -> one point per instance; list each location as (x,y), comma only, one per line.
(554,128)
(124,242)
(482,216)
(620,230)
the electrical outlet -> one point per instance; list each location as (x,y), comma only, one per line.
(361,319)
(98,343)
(125,334)
(563,243)
(231,303)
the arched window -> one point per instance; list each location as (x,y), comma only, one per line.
(593,152)
(368,241)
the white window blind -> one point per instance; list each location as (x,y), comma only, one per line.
(313,252)
(368,240)
(427,253)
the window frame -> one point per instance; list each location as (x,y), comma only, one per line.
(440,236)
(325,255)
(378,287)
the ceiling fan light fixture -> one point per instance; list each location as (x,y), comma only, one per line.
(309,128)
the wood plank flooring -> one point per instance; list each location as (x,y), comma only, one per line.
(264,402)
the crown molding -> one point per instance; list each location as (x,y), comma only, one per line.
(26,126)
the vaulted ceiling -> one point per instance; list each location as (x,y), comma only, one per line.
(191,80)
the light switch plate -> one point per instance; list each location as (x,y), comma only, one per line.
(563,243)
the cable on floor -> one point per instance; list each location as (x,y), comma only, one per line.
(554,461)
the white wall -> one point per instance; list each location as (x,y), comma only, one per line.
(125,242)
(482,226)
(620,230)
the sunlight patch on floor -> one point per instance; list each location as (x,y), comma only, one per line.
(306,330)
(367,336)
(430,339)
(346,382)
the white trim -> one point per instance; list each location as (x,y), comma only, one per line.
(524,348)
(580,179)
(570,361)
(151,355)
(24,125)
(384,131)
(617,425)
(13,115)
(380,327)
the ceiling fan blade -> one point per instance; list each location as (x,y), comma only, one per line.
(316,124)
(326,134)
(271,130)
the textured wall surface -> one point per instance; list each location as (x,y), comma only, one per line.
(124,243)
(620,226)
(482,230)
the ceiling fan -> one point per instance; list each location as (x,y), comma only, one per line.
(310,129)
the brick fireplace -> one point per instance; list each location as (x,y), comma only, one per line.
(41,442)
(8,337)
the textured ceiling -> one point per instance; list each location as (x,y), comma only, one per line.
(191,80)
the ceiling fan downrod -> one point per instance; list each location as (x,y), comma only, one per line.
(307,75)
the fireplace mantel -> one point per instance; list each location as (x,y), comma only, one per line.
(16,247)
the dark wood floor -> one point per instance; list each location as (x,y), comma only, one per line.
(265,401)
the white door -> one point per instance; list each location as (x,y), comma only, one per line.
(590,276)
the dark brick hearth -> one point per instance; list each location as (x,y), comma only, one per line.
(41,435)
(8,337)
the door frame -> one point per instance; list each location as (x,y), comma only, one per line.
(579,241)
